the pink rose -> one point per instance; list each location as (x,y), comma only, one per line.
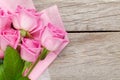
(5,20)
(8,37)
(30,49)
(28,20)
(52,37)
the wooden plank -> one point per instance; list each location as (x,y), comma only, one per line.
(79,15)
(89,56)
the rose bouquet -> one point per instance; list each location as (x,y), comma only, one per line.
(29,40)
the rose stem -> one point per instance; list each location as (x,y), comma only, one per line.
(41,57)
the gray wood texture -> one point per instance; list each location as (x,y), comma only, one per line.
(89,56)
(79,15)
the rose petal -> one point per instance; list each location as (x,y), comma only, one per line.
(53,44)
(30,49)
(28,20)
(47,33)
(11,5)
(15,21)
(9,38)
(5,20)
(27,55)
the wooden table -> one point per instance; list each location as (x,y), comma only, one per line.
(94,50)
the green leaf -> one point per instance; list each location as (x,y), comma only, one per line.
(2,76)
(23,78)
(13,64)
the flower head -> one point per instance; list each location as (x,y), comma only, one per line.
(52,37)
(30,49)
(8,37)
(26,19)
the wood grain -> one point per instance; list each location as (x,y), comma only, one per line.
(87,15)
(89,56)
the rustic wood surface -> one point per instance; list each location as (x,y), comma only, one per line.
(89,56)
(79,15)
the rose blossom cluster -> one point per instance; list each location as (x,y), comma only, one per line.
(24,30)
